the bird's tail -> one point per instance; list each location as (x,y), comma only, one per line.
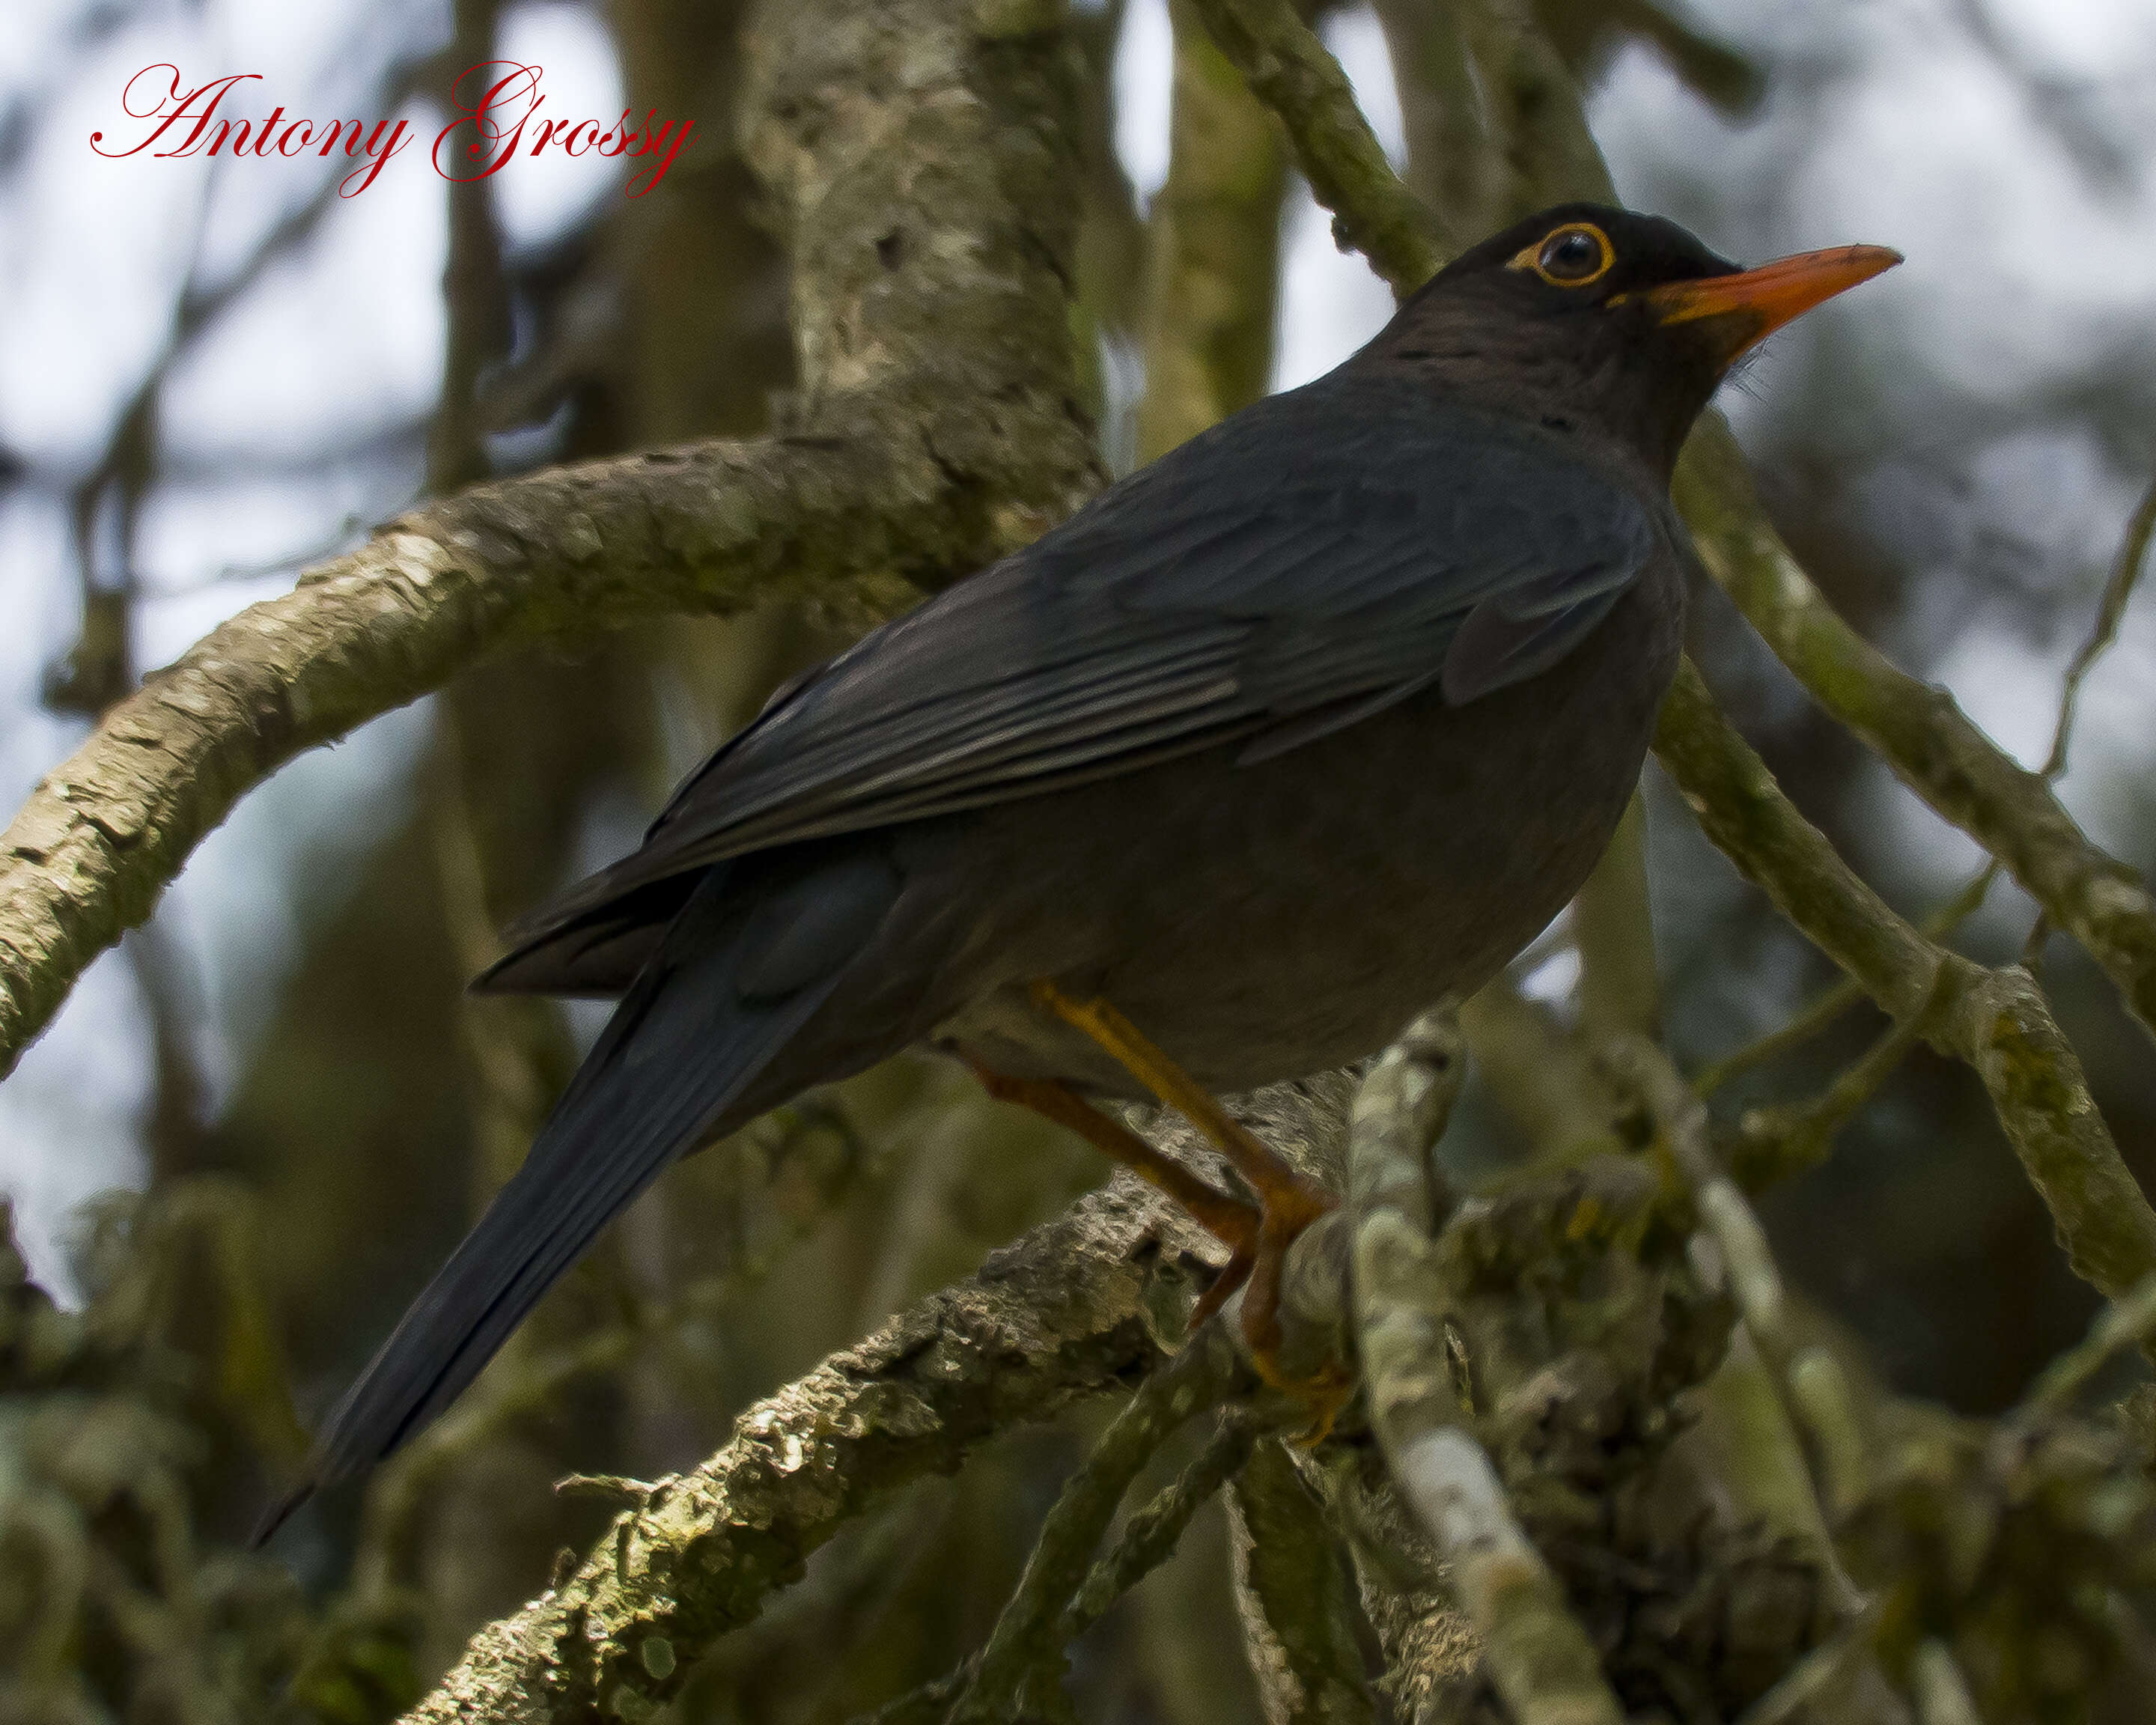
(738,972)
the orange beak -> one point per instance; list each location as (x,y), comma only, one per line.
(1762,300)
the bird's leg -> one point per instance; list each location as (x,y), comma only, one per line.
(1228,1219)
(1288,1202)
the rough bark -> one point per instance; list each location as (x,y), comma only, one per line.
(1075,1308)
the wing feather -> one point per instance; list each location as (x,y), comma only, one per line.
(1295,569)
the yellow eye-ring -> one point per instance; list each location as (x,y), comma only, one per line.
(1571,256)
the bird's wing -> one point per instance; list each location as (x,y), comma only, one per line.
(1289,572)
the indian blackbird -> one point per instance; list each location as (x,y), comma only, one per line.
(1318,717)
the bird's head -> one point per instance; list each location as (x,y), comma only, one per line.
(1587,317)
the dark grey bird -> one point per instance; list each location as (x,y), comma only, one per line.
(1318,716)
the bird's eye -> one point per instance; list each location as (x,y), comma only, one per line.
(1571,256)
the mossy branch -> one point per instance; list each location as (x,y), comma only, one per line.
(1212,250)
(1996,1020)
(1919,730)
(1291,1590)
(1024,1653)
(1537,1655)
(1062,1314)
(1289,70)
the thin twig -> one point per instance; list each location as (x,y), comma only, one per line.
(1996,1020)
(2126,1322)
(2110,612)
(1773,1143)
(1148,1541)
(1809,1380)
(1812,1677)
(1025,1648)
(1153,1531)
(1832,1003)
(1940,1690)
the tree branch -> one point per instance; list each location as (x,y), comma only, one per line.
(1213,250)
(1062,1314)
(1024,1652)
(928,170)
(1814,1391)
(1298,1623)
(1535,1651)
(1996,1020)
(1919,731)
(1289,70)
(1153,1531)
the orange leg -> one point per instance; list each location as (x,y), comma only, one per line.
(1288,1202)
(1228,1219)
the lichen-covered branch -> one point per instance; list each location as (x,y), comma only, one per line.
(1066,1313)
(1996,1020)
(1810,1381)
(1291,1590)
(1919,730)
(1024,1652)
(1289,70)
(927,171)
(1152,1535)
(1536,1652)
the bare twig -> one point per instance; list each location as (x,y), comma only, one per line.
(1774,1143)
(1833,1002)
(1024,1652)
(1809,1380)
(1996,1020)
(2128,1321)
(2126,569)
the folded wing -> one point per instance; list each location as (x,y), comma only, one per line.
(1271,580)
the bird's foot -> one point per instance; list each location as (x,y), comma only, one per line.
(1288,1202)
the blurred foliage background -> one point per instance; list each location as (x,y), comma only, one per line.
(210,373)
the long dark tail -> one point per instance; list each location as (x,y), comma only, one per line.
(737,974)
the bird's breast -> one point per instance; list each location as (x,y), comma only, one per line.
(1267,921)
